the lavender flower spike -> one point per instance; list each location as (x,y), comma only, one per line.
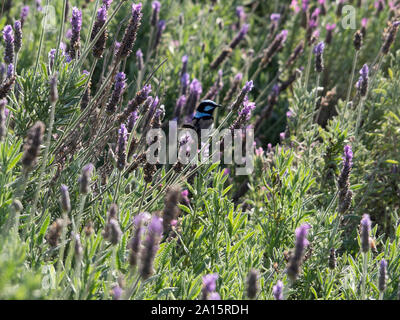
(24,14)
(239,37)
(18,35)
(154,233)
(362,83)
(209,284)
(156,5)
(160,29)
(8,36)
(382,275)
(76,25)
(100,44)
(239,100)
(278,290)
(121,147)
(318,51)
(365,226)
(295,261)
(117,93)
(130,32)
(345,194)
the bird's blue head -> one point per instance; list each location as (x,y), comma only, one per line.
(206,109)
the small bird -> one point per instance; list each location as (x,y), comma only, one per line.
(203,118)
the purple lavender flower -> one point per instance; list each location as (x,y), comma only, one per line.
(107,3)
(275,17)
(139,59)
(8,36)
(130,32)
(329,32)
(195,90)
(38,5)
(276,45)
(117,93)
(10,70)
(121,147)
(345,194)
(278,290)
(209,282)
(132,120)
(100,44)
(18,36)
(180,103)
(160,29)
(239,37)
(318,51)
(297,257)
(24,14)
(241,16)
(184,64)
(214,296)
(382,275)
(135,242)
(185,79)
(362,83)
(365,232)
(304,5)
(154,233)
(116,292)
(76,25)
(156,5)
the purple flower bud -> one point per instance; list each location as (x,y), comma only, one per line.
(248,86)
(214,296)
(240,13)
(275,17)
(180,103)
(130,32)
(304,5)
(245,112)
(116,292)
(239,37)
(8,36)
(364,22)
(76,25)
(185,79)
(382,275)
(238,77)
(278,290)
(117,93)
(365,232)
(209,282)
(160,29)
(39,5)
(156,5)
(24,13)
(362,83)
(121,147)
(297,257)
(18,36)
(107,3)
(330,26)
(132,120)
(76,20)
(319,48)
(10,70)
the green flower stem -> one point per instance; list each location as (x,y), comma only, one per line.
(364,275)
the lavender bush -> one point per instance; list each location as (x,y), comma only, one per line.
(85,215)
